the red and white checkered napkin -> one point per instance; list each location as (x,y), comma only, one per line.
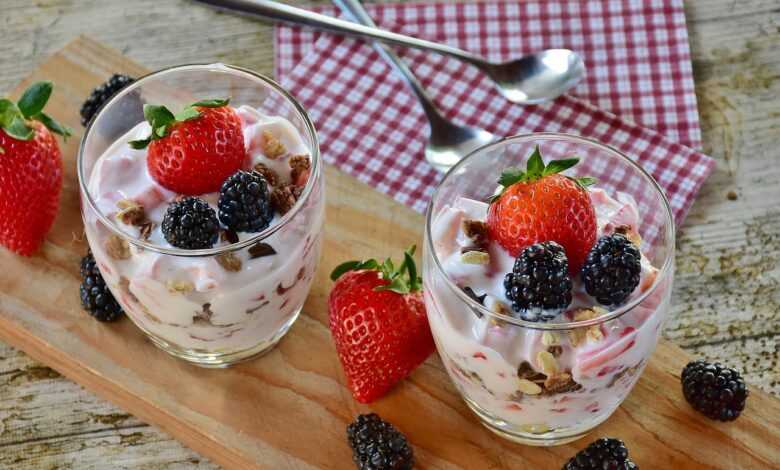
(636,54)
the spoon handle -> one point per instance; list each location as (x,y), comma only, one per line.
(356,10)
(298,16)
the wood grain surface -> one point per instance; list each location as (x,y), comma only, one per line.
(289,408)
(726,290)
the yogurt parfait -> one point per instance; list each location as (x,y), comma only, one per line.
(205,217)
(548,267)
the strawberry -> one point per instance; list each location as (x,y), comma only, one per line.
(194,151)
(378,322)
(539,205)
(30,170)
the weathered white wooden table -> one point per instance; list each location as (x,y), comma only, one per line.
(727,289)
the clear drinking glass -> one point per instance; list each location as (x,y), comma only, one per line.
(493,358)
(187,301)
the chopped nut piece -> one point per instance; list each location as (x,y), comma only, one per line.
(586,314)
(146,229)
(556,351)
(632,235)
(117,247)
(131,213)
(535,428)
(284,198)
(594,334)
(272,147)
(560,383)
(577,337)
(229,262)
(550,338)
(547,363)
(527,372)
(300,165)
(268,174)
(228,236)
(477,231)
(260,249)
(475,257)
(182,287)
(528,387)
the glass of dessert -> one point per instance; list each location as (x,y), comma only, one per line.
(203,203)
(548,267)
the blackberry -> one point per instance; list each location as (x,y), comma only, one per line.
(96,299)
(190,224)
(715,390)
(602,454)
(104,92)
(539,285)
(377,445)
(244,202)
(611,270)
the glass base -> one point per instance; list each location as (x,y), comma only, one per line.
(216,359)
(531,437)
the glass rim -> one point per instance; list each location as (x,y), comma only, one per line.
(255,238)
(617,313)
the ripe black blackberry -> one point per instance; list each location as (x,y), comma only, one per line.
(190,224)
(244,202)
(715,390)
(539,285)
(96,299)
(377,445)
(611,270)
(602,454)
(103,93)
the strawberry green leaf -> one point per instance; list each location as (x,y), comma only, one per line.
(53,125)
(8,111)
(558,166)
(344,268)
(187,113)
(511,176)
(535,165)
(140,144)
(411,268)
(215,103)
(34,98)
(18,129)
(585,181)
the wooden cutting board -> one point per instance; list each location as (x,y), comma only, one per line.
(289,409)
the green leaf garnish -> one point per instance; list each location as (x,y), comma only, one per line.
(14,117)
(18,129)
(34,98)
(53,125)
(162,120)
(402,280)
(215,103)
(535,170)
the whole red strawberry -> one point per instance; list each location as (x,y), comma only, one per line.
(194,151)
(539,205)
(378,323)
(30,170)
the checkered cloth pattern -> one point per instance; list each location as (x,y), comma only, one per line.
(636,54)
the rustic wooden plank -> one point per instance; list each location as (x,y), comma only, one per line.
(740,129)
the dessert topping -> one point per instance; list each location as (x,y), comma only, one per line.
(190,223)
(130,212)
(539,286)
(260,250)
(268,174)
(540,204)
(272,147)
(244,202)
(612,269)
(229,261)
(283,198)
(117,247)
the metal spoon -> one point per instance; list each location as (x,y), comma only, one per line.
(528,80)
(448,143)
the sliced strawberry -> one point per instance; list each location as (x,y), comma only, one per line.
(194,151)
(539,205)
(30,170)
(378,322)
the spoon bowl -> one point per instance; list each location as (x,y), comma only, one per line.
(535,78)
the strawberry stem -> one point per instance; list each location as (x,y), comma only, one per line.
(403,280)
(14,117)
(162,120)
(536,170)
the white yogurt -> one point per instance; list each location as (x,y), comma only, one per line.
(195,303)
(483,356)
